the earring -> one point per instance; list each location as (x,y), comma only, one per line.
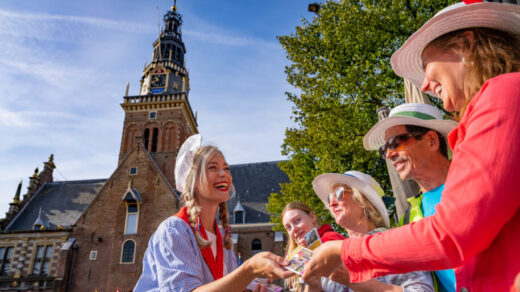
(464,61)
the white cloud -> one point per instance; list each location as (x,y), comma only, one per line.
(43,26)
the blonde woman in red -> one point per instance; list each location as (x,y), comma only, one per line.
(188,252)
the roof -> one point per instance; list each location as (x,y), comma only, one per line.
(254,182)
(61,203)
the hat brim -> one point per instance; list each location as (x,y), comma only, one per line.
(323,183)
(407,62)
(375,137)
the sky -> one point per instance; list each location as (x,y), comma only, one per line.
(64,66)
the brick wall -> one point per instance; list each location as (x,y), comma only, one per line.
(102,226)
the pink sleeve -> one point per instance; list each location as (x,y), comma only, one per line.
(480,195)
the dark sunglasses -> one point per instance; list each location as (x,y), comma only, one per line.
(338,194)
(397,142)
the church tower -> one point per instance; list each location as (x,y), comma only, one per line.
(161,117)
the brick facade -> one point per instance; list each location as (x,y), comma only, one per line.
(101,228)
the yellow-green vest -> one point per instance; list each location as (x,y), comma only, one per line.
(414,214)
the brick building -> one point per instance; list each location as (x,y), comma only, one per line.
(91,235)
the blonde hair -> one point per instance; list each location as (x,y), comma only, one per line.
(197,174)
(291,243)
(494,52)
(371,212)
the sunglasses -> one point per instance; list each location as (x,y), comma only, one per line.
(338,194)
(397,143)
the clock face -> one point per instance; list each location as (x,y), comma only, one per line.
(158,80)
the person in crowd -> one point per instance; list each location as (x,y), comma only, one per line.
(412,137)
(467,55)
(354,200)
(187,252)
(298,220)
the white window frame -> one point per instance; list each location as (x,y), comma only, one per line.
(127,204)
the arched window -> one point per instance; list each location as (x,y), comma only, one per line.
(256,246)
(154,139)
(127,256)
(146,138)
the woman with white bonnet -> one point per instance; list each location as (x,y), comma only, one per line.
(188,252)
(354,200)
(468,55)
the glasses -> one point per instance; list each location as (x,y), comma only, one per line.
(338,194)
(396,143)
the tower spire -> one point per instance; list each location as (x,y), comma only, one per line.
(16,199)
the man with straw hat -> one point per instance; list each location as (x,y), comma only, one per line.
(413,139)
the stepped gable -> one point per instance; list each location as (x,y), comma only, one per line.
(254,182)
(61,204)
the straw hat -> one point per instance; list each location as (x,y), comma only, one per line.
(416,114)
(407,62)
(368,186)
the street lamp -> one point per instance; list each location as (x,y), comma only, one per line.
(314,7)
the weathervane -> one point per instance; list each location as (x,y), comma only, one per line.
(174,7)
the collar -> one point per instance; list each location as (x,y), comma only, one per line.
(324,228)
(216,266)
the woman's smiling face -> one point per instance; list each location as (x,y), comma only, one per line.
(218,178)
(444,74)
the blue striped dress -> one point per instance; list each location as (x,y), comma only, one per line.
(174,262)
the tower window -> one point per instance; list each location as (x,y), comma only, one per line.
(132,213)
(133,171)
(146,138)
(153,115)
(6,254)
(154,139)
(127,255)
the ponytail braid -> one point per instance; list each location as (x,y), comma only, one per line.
(193,209)
(223,216)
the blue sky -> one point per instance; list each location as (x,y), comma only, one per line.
(64,66)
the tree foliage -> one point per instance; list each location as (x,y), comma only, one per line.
(340,66)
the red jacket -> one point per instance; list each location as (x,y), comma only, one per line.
(476,228)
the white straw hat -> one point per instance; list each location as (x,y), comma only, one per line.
(407,62)
(416,114)
(368,186)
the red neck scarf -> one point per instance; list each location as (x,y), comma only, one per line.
(216,267)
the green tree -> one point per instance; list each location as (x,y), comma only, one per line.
(340,66)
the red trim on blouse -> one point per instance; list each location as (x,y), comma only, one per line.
(215,266)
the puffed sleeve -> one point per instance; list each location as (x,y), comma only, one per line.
(172,261)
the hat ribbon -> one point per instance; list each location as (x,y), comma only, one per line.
(418,115)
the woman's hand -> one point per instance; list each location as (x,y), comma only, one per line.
(325,260)
(268,265)
(341,275)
